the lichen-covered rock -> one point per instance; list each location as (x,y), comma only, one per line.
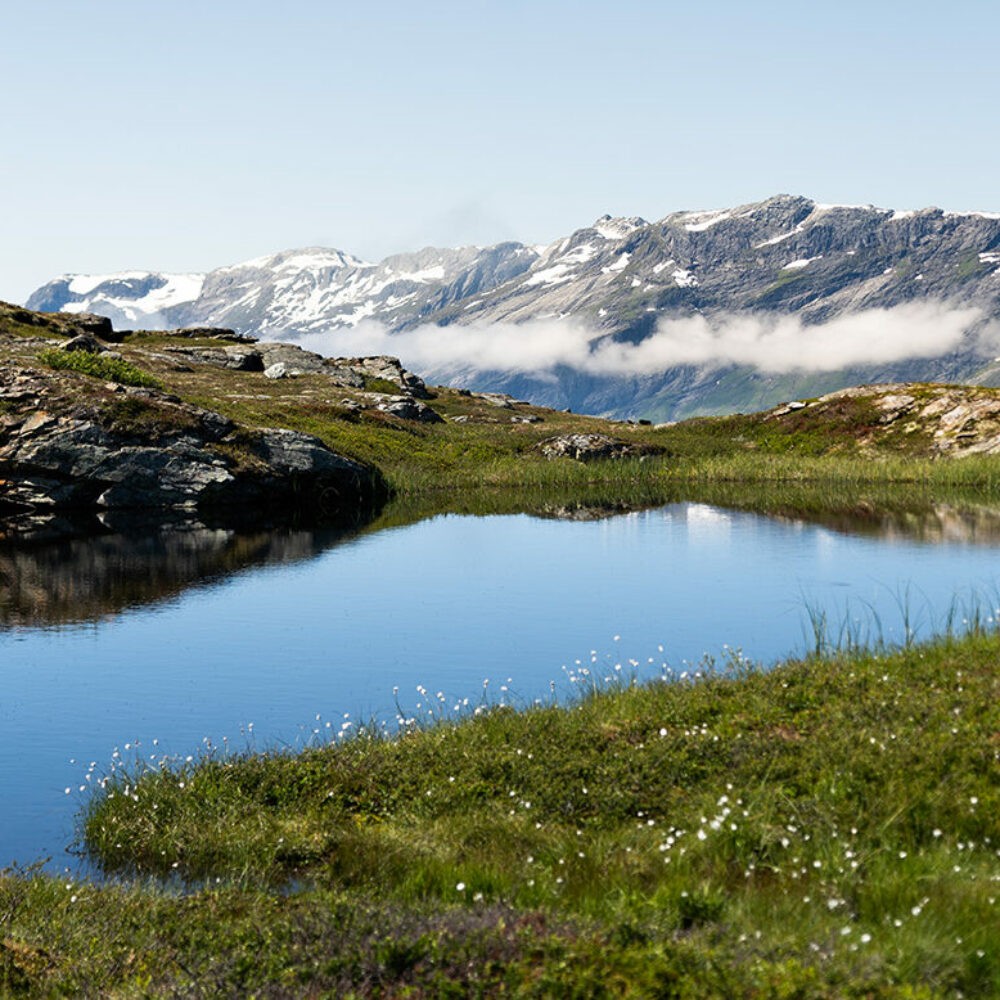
(341,375)
(83,342)
(110,447)
(586,447)
(296,360)
(213,333)
(409,409)
(955,420)
(388,369)
(237,357)
(499,399)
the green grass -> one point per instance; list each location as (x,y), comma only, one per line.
(828,828)
(131,415)
(99,366)
(843,444)
(971,266)
(382,385)
(786,281)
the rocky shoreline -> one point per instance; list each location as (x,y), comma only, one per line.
(71,442)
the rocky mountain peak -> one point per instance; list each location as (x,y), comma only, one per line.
(621,277)
(618,228)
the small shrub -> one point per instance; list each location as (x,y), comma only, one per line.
(99,366)
(382,385)
(703,906)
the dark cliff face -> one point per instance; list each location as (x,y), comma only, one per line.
(786,254)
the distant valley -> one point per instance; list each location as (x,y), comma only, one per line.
(699,312)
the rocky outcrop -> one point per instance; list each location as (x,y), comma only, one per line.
(287,360)
(235,358)
(406,408)
(84,342)
(104,446)
(64,324)
(388,369)
(213,333)
(587,447)
(939,420)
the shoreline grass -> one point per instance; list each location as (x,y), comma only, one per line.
(830,827)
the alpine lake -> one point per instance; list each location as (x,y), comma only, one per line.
(140,643)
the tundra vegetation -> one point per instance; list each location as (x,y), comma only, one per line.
(826,827)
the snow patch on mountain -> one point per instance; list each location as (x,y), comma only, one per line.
(619,265)
(128,298)
(550,275)
(617,229)
(780,238)
(700,221)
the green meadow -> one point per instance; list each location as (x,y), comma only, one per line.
(829,827)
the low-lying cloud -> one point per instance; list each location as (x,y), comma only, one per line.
(769,342)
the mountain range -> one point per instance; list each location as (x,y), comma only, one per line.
(699,312)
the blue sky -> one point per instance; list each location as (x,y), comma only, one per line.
(184,136)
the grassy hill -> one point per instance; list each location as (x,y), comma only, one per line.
(894,434)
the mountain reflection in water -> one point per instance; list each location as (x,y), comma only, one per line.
(934,523)
(62,581)
(62,578)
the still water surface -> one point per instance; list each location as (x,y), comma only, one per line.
(186,636)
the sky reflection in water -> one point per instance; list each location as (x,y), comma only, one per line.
(444,603)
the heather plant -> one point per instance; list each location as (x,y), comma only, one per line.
(99,366)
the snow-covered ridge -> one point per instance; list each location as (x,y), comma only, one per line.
(617,229)
(128,298)
(613,270)
(308,259)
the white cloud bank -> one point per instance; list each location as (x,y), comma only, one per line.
(768,342)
